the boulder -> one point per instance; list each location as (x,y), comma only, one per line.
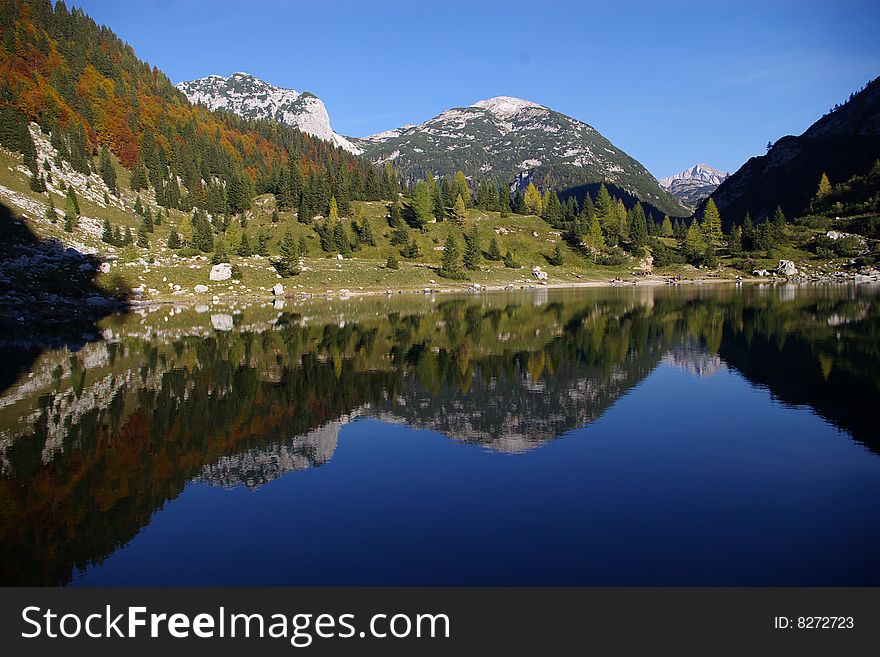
(538,273)
(278,290)
(787,268)
(200,289)
(339,256)
(760,272)
(221,272)
(221,322)
(104,268)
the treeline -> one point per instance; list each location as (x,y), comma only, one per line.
(86,88)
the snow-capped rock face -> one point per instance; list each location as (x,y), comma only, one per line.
(694,184)
(252,98)
(514,140)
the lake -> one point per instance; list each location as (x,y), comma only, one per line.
(688,435)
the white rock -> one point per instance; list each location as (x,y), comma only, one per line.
(787,268)
(200,289)
(339,256)
(221,272)
(278,290)
(222,322)
(104,268)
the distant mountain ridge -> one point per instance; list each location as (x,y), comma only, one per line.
(843,143)
(252,98)
(694,184)
(517,141)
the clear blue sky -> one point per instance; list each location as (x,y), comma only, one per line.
(670,82)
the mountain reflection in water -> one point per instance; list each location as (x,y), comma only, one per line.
(94,443)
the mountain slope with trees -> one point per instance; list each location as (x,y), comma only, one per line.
(842,144)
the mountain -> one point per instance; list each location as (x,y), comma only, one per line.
(515,140)
(252,98)
(843,143)
(694,184)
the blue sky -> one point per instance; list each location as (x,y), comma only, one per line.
(672,83)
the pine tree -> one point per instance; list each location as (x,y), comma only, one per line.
(503,200)
(129,238)
(735,241)
(510,262)
(69,222)
(494,252)
(143,240)
(450,264)
(460,188)
(532,202)
(221,251)
(72,203)
(458,211)
(558,257)
(302,247)
(392,262)
(107,170)
(289,255)
(594,239)
(551,208)
(748,233)
(694,247)
(275,217)
(411,251)
(666,227)
(711,225)
(173,240)
(824,187)
(148,220)
(395,214)
(244,246)
(333,214)
(366,233)
(51,215)
(422,204)
(472,251)
(340,237)
(107,234)
(638,230)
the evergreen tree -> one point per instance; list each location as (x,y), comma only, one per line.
(748,233)
(244,246)
(411,250)
(694,247)
(450,265)
(139,179)
(147,220)
(824,187)
(173,240)
(366,233)
(422,204)
(472,251)
(458,211)
(138,206)
(262,244)
(302,247)
(594,240)
(510,262)
(143,240)
(551,208)
(558,257)
(666,227)
(460,188)
(129,238)
(51,215)
(503,200)
(107,234)
(107,170)
(638,230)
(289,262)
(711,225)
(395,218)
(333,213)
(532,201)
(72,203)
(494,252)
(392,262)
(69,222)
(399,235)
(221,252)
(735,241)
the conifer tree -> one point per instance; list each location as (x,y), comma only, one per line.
(173,240)
(366,233)
(244,246)
(638,230)
(302,247)
(558,257)
(411,250)
(458,211)
(748,233)
(450,264)
(666,227)
(138,206)
(735,241)
(221,250)
(711,225)
(395,216)
(392,262)
(509,261)
(503,200)
(289,255)
(333,214)
(69,222)
(472,251)
(275,216)
(72,203)
(494,252)
(129,238)
(532,201)
(107,170)
(824,187)
(422,204)
(143,240)
(107,234)
(694,247)
(594,239)
(460,188)
(51,215)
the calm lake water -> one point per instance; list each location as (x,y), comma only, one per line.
(632,436)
